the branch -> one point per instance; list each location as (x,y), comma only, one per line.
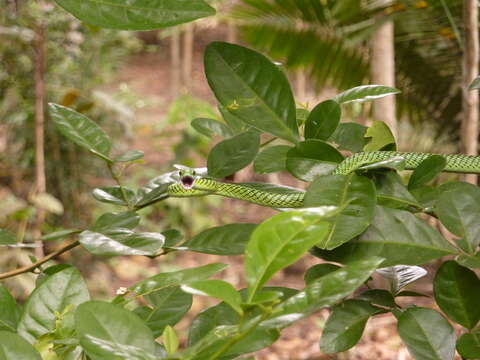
(33,266)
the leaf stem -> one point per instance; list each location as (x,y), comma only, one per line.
(117,180)
(37,264)
(268,141)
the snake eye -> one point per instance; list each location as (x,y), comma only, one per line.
(181,172)
(194,173)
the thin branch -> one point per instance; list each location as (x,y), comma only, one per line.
(35,265)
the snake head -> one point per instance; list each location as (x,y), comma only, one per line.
(187,176)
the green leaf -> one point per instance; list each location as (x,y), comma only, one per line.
(319,270)
(235,124)
(468,345)
(350,136)
(113,195)
(312,158)
(233,154)
(170,340)
(397,236)
(365,93)
(379,297)
(272,159)
(229,239)
(475,84)
(58,292)
(9,311)
(427,334)
(169,307)
(7,237)
(130,155)
(127,219)
(391,192)
(218,289)
(49,271)
(13,346)
(252,88)
(345,325)
(458,208)
(381,137)
(59,234)
(354,195)
(301,114)
(122,242)
(172,237)
(329,289)
(211,127)
(158,193)
(137,14)
(279,242)
(108,332)
(427,170)
(471,261)
(323,120)
(175,278)
(457,290)
(81,130)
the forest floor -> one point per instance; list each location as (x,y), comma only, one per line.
(148,76)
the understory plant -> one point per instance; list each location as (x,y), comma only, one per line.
(375,219)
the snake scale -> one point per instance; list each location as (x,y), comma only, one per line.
(191,184)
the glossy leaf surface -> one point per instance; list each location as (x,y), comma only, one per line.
(272,159)
(323,120)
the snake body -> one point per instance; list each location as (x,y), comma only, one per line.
(276,196)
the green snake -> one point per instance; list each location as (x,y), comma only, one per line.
(191,183)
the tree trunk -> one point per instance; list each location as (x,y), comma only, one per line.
(469,131)
(40,53)
(188,54)
(382,60)
(175,61)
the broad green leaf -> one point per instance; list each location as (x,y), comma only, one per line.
(471,261)
(62,290)
(323,120)
(397,236)
(60,234)
(211,127)
(151,196)
(279,242)
(354,195)
(235,124)
(381,137)
(137,14)
(365,93)
(468,345)
(13,346)
(169,307)
(458,208)
(427,334)
(9,311)
(124,242)
(170,340)
(329,289)
(49,271)
(252,88)
(319,270)
(379,297)
(233,154)
(175,278)
(109,332)
(457,290)
(312,158)
(475,84)
(391,192)
(127,219)
(218,289)
(400,276)
(130,155)
(301,115)
(229,239)
(272,159)
(345,325)
(427,170)
(172,237)
(81,130)
(350,136)
(7,237)
(113,195)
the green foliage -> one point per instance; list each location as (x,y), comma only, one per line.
(362,220)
